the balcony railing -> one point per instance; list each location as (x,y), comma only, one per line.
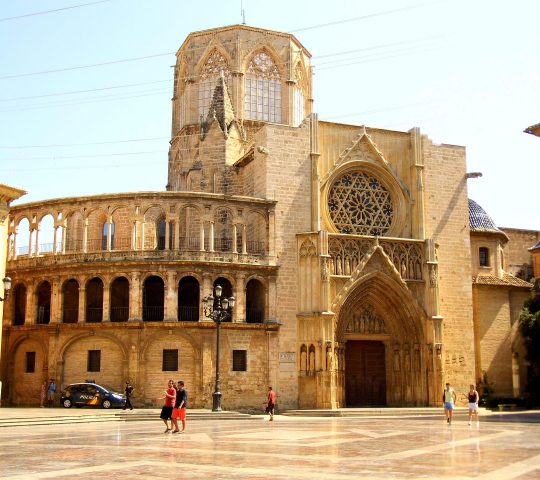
(153,313)
(254,315)
(70,315)
(188,314)
(94,314)
(119,314)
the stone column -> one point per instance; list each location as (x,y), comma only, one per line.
(14,246)
(234,236)
(64,238)
(239,312)
(85,236)
(176,235)
(36,251)
(81,314)
(135,297)
(106,316)
(109,234)
(202,237)
(55,236)
(167,235)
(211,246)
(31,303)
(271,233)
(171,306)
(244,239)
(271,308)
(56,301)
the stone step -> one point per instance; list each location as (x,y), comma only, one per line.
(378,412)
(27,417)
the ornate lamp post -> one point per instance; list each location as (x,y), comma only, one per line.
(218,309)
(7,288)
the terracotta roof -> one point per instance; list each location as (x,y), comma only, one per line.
(480,221)
(506,281)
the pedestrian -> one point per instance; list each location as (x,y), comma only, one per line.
(180,407)
(449,400)
(166,411)
(473,399)
(271,405)
(51,390)
(128,391)
(43,395)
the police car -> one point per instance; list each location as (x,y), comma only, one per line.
(91,395)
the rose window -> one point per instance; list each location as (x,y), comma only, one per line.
(360,204)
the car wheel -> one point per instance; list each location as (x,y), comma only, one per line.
(106,404)
(67,403)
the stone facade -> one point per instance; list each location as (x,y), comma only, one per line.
(348,249)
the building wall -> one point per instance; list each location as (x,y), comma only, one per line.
(519,260)
(447,222)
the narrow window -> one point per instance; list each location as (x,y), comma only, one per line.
(483,254)
(170,361)
(262,90)
(239,360)
(93,363)
(30,362)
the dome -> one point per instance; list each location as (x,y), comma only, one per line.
(480,221)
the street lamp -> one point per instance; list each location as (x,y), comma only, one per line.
(7,287)
(218,309)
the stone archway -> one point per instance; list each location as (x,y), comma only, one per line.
(382,329)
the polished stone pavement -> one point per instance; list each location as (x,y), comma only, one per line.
(287,448)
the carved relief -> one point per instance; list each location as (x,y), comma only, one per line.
(366,322)
(308,249)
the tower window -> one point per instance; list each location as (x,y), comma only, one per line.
(483,255)
(262,99)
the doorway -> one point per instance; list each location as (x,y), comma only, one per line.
(365,373)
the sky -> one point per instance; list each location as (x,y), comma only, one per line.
(86,85)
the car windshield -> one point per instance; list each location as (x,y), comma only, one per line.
(110,389)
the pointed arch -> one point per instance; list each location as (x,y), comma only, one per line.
(215,64)
(262,88)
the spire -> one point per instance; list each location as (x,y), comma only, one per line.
(221,108)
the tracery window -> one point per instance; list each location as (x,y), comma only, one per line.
(262,90)
(360,204)
(210,73)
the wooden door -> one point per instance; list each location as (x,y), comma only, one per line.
(365,373)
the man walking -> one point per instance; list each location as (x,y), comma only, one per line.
(271,403)
(166,411)
(180,407)
(449,399)
(128,391)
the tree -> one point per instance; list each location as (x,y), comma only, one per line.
(529,327)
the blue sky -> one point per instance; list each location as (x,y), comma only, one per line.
(465,72)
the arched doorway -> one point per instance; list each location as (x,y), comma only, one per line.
(70,301)
(153,299)
(255,302)
(20,305)
(119,299)
(94,300)
(188,299)
(381,328)
(43,301)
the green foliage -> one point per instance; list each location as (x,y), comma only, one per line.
(529,327)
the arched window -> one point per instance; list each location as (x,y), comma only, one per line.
(119,298)
(212,69)
(43,297)
(104,232)
(22,237)
(20,305)
(188,299)
(153,299)
(223,231)
(94,300)
(255,302)
(46,234)
(160,231)
(262,90)
(70,301)
(483,256)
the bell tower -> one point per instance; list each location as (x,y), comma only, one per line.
(228,83)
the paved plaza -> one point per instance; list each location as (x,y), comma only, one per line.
(289,447)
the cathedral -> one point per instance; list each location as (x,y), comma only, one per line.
(362,274)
